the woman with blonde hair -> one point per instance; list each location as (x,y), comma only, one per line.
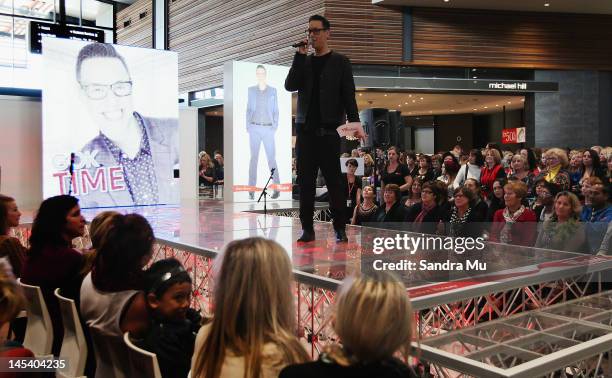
(491,171)
(12,302)
(252,331)
(563,231)
(556,164)
(373,319)
(11,247)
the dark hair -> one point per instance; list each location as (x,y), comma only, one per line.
(411,154)
(427,158)
(395,189)
(552,188)
(479,158)
(352,162)
(50,221)
(119,262)
(595,160)
(532,160)
(4,201)
(324,21)
(467,193)
(260,66)
(97,50)
(435,189)
(162,274)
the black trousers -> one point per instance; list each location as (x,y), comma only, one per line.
(314,152)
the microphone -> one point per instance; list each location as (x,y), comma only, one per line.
(272,170)
(71,171)
(299,44)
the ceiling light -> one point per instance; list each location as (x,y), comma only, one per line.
(413,100)
(473,69)
(361,94)
(430,112)
(409,95)
(546,4)
(497,105)
(486,107)
(475,77)
(452,110)
(405,103)
(474,109)
(421,98)
(399,106)
(446,1)
(385,95)
(509,102)
(522,99)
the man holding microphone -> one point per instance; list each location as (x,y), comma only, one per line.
(326,98)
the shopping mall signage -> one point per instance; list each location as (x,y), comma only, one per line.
(38,30)
(451,85)
(514,135)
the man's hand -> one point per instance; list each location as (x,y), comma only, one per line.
(303,49)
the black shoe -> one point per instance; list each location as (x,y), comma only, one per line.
(275,194)
(341,236)
(251,195)
(307,236)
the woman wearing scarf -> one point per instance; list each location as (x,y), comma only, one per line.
(563,231)
(520,171)
(426,215)
(556,162)
(465,219)
(515,224)
(491,171)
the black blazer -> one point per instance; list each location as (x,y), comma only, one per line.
(392,368)
(337,89)
(397,213)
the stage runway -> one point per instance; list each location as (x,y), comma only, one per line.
(205,227)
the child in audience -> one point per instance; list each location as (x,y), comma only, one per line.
(12,302)
(367,350)
(252,332)
(174,324)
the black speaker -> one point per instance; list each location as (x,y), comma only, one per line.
(395,123)
(376,124)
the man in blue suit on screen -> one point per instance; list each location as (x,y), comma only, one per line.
(261,124)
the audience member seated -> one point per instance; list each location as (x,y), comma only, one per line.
(563,231)
(252,332)
(597,215)
(575,170)
(436,165)
(415,193)
(547,193)
(51,262)
(496,198)
(515,224)
(491,171)
(451,167)
(470,170)
(112,297)
(392,210)
(367,350)
(591,166)
(427,214)
(365,211)
(556,165)
(480,204)
(465,219)
(97,227)
(520,171)
(174,324)
(12,302)
(207,171)
(10,247)
(532,160)
(424,172)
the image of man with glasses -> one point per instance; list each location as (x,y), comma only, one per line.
(143,150)
(261,124)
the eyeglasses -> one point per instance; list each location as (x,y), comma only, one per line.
(100,91)
(427,191)
(314,31)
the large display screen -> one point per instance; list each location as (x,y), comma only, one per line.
(110,123)
(261,129)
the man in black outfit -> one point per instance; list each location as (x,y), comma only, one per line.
(326,97)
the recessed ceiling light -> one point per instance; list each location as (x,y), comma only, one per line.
(361,94)
(522,99)
(430,112)
(474,109)
(546,4)
(421,98)
(413,100)
(452,110)
(473,69)
(446,1)
(405,103)
(385,95)
(486,107)
(475,77)
(399,106)
(409,112)
(497,105)
(509,102)
(409,95)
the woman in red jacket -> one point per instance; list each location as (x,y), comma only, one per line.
(492,170)
(515,224)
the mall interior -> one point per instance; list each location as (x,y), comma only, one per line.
(284,188)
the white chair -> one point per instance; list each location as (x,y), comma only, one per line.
(74,345)
(39,330)
(143,363)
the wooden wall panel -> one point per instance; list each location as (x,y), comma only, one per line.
(139,31)
(516,40)
(364,32)
(208,33)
